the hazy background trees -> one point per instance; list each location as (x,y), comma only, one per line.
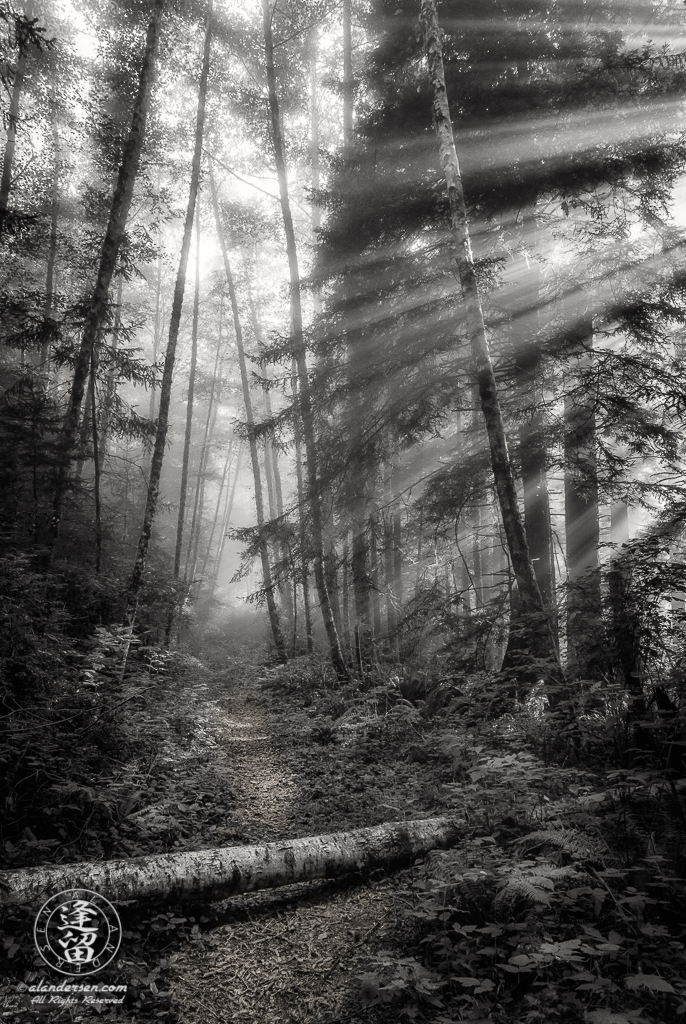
(325,452)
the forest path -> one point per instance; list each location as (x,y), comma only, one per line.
(291,954)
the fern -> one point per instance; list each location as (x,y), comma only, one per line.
(577,845)
(534,885)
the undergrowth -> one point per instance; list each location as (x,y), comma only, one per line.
(564,902)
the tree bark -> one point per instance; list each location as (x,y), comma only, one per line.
(157,330)
(10,144)
(174,321)
(199,503)
(52,244)
(542,640)
(212,874)
(279,641)
(271,459)
(226,520)
(85,431)
(189,407)
(222,484)
(582,526)
(110,386)
(361,588)
(306,411)
(116,227)
(96,469)
(348,82)
(375,578)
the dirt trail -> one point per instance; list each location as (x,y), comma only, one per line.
(292,954)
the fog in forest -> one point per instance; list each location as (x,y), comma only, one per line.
(343,353)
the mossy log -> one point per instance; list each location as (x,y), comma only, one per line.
(215,874)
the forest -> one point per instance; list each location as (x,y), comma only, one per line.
(343,510)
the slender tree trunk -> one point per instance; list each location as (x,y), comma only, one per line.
(398,557)
(348,82)
(477,560)
(222,484)
(360,553)
(174,321)
(52,244)
(391,617)
(85,430)
(374,552)
(272,472)
(96,470)
(361,594)
(420,539)
(541,635)
(199,506)
(306,411)
(97,311)
(157,331)
(226,521)
(346,594)
(189,406)
(252,444)
(582,526)
(110,386)
(315,212)
(210,420)
(330,555)
(269,478)
(10,144)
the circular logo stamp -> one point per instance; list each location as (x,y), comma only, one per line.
(77,932)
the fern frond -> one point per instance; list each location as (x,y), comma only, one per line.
(532,886)
(517,889)
(577,845)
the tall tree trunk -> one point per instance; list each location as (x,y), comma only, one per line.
(174,321)
(97,311)
(110,385)
(52,243)
(391,615)
(537,505)
(85,431)
(375,578)
(361,589)
(222,484)
(330,555)
(346,593)
(398,557)
(257,479)
(10,144)
(96,469)
(157,331)
(306,411)
(210,420)
(360,553)
(274,486)
(226,520)
(189,405)
(582,525)
(348,82)
(541,637)
(199,503)
(315,212)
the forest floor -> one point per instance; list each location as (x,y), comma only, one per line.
(294,954)
(564,901)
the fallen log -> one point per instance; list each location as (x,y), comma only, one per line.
(216,874)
